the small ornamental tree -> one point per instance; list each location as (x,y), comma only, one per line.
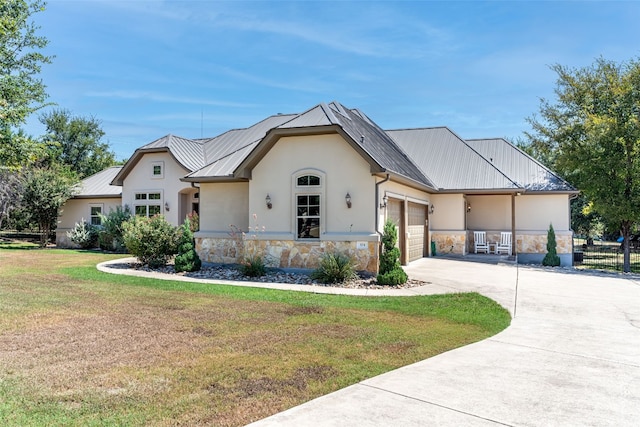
(551,259)
(187,258)
(152,240)
(391,272)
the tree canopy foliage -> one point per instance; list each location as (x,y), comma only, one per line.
(45,191)
(21,90)
(591,134)
(74,141)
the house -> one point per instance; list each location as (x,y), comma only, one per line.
(327,179)
(94,196)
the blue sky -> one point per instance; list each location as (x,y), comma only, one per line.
(193,68)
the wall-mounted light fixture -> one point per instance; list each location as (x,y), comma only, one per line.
(468,207)
(268,201)
(347,199)
(432,208)
(385,199)
(166,206)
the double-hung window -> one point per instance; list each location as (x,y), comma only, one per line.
(94,214)
(147,204)
(308,206)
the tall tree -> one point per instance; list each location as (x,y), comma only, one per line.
(21,91)
(593,131)
(45,191)
(75,142)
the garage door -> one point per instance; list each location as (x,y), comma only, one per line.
(417,226)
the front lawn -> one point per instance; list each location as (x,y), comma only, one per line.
(81,347)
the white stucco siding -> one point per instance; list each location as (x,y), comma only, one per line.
(489,212)
(222,205)
(536,212)
(449,212)
(141,180)
(342,171)
(74,210)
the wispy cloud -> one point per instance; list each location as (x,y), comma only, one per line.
(150,96)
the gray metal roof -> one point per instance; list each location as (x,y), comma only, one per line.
(187,152)
(449,162)
(99,184)
(365,134)
(519,166)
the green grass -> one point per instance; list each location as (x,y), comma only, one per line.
(90,348)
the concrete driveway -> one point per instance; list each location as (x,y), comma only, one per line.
(571,357)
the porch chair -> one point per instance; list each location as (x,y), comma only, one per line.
(504,245)
(480,242)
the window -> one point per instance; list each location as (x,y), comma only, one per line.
(308,181)
(308,203)
(157,170)
(94,214)
(308,216)
(147,204)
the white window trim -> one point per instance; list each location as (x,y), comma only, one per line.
(148,202)
(95,205)
(304,190)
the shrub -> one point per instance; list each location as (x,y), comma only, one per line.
(152,240)
(335,268)
(110,236)
(84,235)
(187,258)
(551,259)
(253,266)
(391,272)
(393,278)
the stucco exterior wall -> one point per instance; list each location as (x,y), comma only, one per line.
(342,171)
(535,212)
(449,212)
(75,210)
(222,205)
(141,179)
(490,212)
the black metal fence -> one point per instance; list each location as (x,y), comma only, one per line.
(605,257)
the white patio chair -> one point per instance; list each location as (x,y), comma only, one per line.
(480,242)
(504,245)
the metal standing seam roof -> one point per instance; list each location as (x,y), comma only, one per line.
(522,168)
(187,152)
(363,132)
(99,184)
(449,161)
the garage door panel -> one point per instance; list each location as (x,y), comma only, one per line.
(417,221)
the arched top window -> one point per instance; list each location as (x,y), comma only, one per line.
(308,181)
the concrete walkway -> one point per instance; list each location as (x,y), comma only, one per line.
(571,356)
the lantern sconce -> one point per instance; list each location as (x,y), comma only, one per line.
(347,199)
(432,208)
(468,207)
(166,206)
(268,201)
(385,199)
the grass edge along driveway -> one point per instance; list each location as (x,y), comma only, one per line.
(81,347)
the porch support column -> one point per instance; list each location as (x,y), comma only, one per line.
(513,225)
